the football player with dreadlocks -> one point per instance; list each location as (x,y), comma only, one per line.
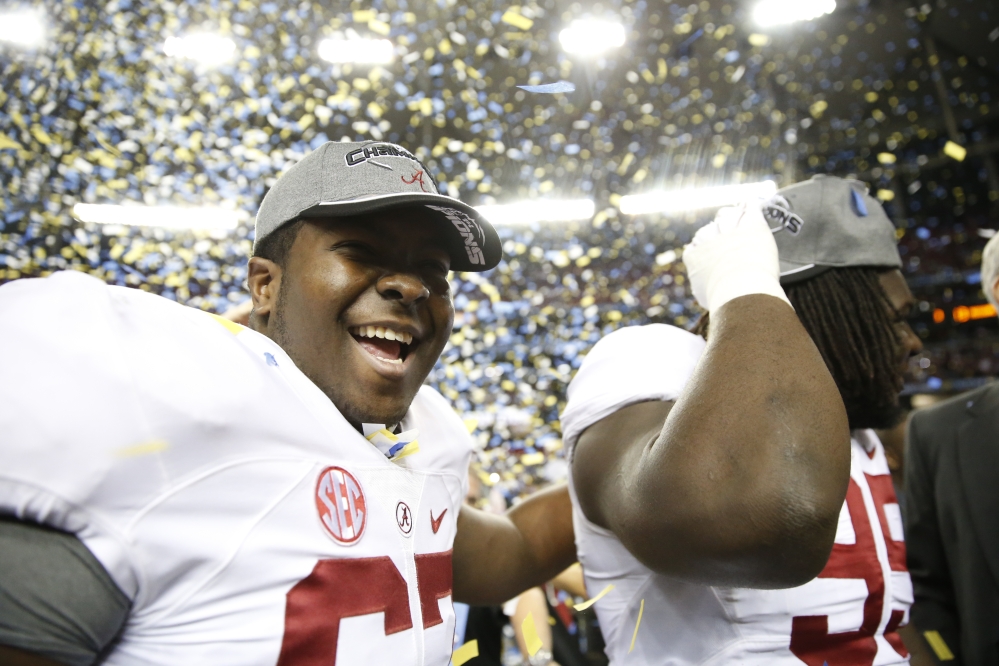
(839,269)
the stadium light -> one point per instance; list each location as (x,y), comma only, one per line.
(356,51)
(24,28)
(208,49)
(167,217)
(777,12)
(538,210)
(679,201)
(591,36)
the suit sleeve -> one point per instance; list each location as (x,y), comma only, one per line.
(935,607)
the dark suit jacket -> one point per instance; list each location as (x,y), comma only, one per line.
(952,523)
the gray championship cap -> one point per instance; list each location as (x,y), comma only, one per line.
(341,179)
(829,222)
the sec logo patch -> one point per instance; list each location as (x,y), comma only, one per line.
(341,505)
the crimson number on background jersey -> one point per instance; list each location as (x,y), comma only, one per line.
(337,589)
(810,638)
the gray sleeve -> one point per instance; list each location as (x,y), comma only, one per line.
(56,600)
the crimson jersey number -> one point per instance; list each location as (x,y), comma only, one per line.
(810,638)
(337,589)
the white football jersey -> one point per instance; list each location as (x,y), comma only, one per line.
(247,521)
(847,616)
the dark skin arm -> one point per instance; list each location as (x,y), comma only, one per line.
(498,557)
(740,482)
(12,657)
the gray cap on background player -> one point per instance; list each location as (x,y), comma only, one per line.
(829,222)
(341,179)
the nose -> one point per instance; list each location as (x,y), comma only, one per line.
(912,343)
(406,288)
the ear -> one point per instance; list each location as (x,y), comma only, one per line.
(995,289)
(264,281)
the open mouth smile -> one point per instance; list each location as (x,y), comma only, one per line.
(384,343)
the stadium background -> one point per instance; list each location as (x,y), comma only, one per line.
(697,96)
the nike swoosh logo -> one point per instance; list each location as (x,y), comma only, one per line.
(435,523)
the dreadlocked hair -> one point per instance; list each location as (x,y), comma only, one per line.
(852,322)
(849,317)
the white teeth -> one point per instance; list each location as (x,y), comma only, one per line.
(382,332)
(397,361)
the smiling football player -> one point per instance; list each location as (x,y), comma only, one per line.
(286,493)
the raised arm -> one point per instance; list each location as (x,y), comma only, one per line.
(742,480)
(498,557)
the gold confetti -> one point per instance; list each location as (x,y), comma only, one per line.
(586,604)
(938,644)
(143,449)
(818,108)
(469,650)
(230,326)
(532,459)
(408,450)
(7,142)
(517,20)
(955,151)
(531,639)
(641,609)
(384,432)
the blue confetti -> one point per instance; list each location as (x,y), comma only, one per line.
(560,87)
(859,207)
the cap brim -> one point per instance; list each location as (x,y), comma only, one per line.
(462,258)
(791,273)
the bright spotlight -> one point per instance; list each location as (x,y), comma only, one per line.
(679,201)
(538,210)
(167,217)
(777,12)
(23,27)
(356,51)
(208,49)
(589,37)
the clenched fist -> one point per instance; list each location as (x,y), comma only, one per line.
(734,255)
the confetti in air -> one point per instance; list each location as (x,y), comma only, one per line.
(558,87)
(468,651)
(939,645)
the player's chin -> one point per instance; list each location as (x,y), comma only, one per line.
(378,405)
(392,389)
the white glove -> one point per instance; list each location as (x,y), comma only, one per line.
(734,255)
